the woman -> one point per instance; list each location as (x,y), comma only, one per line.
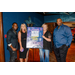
(22,34)
(46,44)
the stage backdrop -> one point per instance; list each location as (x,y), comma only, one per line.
(19,18)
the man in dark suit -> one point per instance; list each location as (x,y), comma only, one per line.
(12,42)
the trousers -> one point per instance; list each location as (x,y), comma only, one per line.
(13,55)
(42,51)
(61,53)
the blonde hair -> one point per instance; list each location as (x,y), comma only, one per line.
(25,27)
(46,25)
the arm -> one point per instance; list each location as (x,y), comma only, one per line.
(69,36)
(19,38)
(9,35)
(49,37)
(14,49)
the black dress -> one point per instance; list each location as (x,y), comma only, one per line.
(23,40)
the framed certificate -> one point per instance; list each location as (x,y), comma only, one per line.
(34,37)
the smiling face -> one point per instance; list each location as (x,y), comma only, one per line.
(59,22)
(23,27)
(45,28)
(15,26)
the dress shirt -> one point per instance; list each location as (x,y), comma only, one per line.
(62,36)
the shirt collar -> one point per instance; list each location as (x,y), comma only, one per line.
(14,31)
(60,26)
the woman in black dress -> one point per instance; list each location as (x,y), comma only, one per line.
(22,34)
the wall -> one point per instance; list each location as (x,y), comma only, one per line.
(65,18)
(70,24)
(18,17)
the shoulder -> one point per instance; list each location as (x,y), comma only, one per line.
(19,32)
(48,33)
(9,31)
(66,27)
(55,29)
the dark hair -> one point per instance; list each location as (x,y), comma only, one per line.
(59,18)
(14,23)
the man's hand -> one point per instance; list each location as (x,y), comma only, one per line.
(14,49)
(64,45)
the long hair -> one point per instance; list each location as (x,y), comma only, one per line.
(25,27)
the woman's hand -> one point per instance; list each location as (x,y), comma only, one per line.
(21,48)
(47,39)
(43,36)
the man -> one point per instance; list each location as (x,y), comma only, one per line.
(12,41)
(62,38)
(74,34)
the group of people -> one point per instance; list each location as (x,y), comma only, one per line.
(62,38)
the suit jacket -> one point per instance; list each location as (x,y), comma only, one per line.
(12,38)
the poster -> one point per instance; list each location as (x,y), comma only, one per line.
(34,37)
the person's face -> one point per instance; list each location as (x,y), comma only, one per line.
(44,27)
(15,26)
(59,22)
(23,27)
